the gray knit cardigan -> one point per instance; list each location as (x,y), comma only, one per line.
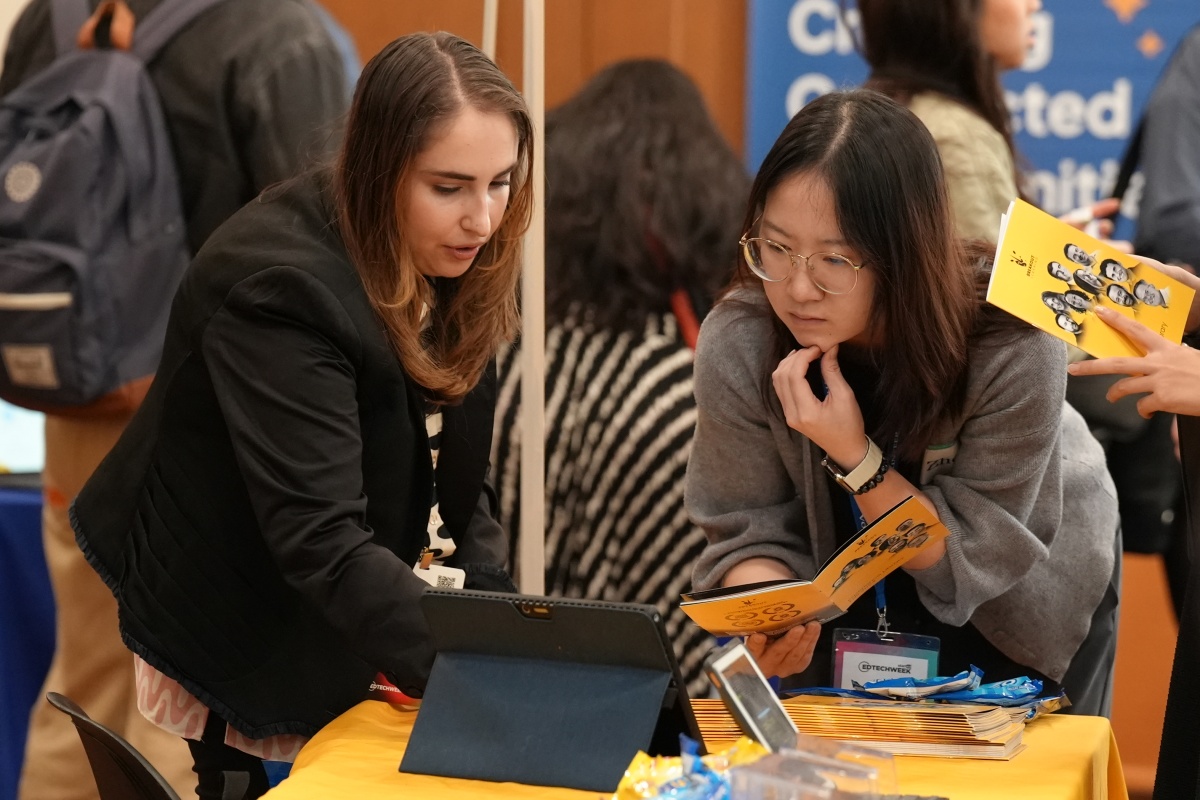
(1028,501)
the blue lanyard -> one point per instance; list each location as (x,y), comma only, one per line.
(881,627)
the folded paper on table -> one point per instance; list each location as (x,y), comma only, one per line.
(898,727)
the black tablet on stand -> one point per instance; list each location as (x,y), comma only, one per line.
(546,691)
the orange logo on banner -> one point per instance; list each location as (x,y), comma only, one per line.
(1126,10)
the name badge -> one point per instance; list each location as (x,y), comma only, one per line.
(939,458)
(862,656)
(440,577)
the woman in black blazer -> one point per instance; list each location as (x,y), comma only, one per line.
(269,519)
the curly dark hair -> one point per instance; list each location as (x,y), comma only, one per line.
(644,197)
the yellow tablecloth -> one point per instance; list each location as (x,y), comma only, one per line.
(1065,758)
(356,756)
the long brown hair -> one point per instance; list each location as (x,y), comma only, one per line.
(405,96)
(882,167)
(917,46)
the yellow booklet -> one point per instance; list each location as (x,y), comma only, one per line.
(1054,276)
(774,606)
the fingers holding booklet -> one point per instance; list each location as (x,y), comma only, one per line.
(1056,277)
(788,653)
(771,607)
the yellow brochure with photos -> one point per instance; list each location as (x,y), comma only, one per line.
(1054,276)
(775,606)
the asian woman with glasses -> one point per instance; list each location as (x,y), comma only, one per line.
(855,333)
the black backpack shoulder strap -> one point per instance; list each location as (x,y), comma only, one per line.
(68,17)
(160,26)
(1129,161)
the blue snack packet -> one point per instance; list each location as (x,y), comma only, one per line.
(1013,692)
(917,688)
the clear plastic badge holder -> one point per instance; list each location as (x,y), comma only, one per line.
(819,769)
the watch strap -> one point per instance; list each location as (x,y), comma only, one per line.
(867,468)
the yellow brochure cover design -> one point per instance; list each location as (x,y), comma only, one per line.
(1053,276)
(774,606)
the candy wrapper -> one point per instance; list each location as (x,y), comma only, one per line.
(688,776)
(1015,692)
(917,688)
(1040,706)
(965,687)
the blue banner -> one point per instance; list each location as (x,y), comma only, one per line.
(1074,103)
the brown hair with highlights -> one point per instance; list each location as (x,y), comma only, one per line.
(406,95)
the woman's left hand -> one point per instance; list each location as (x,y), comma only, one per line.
(1169,374)
(835,423)
(787,654)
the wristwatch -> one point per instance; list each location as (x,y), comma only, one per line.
(867,469)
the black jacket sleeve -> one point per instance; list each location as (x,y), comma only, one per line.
(483,550)
(280,352)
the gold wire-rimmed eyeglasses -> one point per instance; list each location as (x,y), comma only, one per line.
(833,273)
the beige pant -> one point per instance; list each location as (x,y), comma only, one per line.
(91,665)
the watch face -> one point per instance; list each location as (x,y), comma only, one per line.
(838,476)
(833,470)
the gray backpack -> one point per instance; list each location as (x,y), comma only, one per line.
(92,236)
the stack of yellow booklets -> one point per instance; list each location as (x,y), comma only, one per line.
(775,606)
(893,726)
(1054,277)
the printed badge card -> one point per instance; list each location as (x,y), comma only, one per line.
(1054,276)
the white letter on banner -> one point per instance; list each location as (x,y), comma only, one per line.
(1042,50)
(1064,115)
(812,44)
(1080,184)
(1087,185)
(851,21)
(1109,168)
(1108,113)
(1131,205)
(1015,105)
(805,88)
(1043,184)
(1028,110)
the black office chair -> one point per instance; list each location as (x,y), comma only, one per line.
(120,771)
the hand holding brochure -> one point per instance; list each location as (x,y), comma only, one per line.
(1054,276)
(774,606)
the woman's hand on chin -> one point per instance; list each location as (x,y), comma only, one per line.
(834,423)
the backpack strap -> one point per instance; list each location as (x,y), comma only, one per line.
(158,27)
(68,16)
(1130,161)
